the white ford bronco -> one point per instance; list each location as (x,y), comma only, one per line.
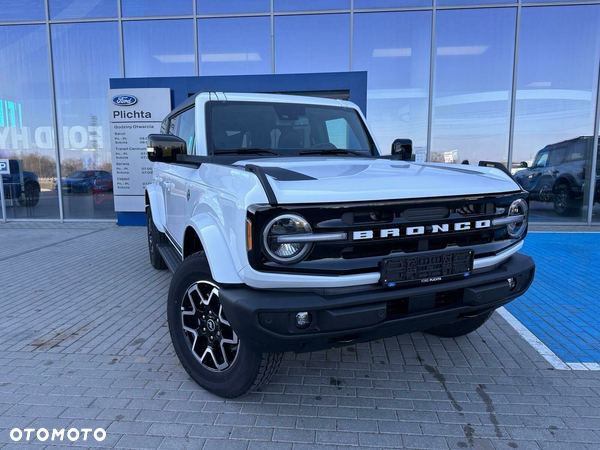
(288,229)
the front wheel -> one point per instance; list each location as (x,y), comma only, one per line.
(205,342)
(461,327)
(32,195)
(564,205)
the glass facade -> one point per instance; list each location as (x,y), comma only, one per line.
(27,124)
(514,81)
(149,54)
(472,85)
(395,49)
(234,46)
(556,96)
(82,113)
(306,54)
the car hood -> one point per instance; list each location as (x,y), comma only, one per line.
(344,179)
(523,173)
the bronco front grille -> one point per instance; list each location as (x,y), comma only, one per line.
(360,255)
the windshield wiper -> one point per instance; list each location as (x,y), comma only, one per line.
(331,151)
(241,151)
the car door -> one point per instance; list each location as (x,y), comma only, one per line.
(179,176)
(160,171)
(548,173)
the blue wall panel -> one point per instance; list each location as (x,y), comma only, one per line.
(182,87)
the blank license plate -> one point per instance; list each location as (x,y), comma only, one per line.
(426,267)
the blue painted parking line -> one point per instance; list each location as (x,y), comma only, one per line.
(562,307)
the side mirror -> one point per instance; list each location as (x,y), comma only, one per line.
(403,148)
(524,165)
(165,147)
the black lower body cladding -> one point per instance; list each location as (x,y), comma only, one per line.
(266,318)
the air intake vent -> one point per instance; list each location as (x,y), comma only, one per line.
(476,209)
(421,214)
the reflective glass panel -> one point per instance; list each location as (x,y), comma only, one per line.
(471,2)
(232,6)
(145,8)
(373,4)
(26,124)
(240,45)
(310,5)
(76,9)
(559,49)
(474,55)
(85,55)
(149,53)
(315,43)
(14,10)
(395,50)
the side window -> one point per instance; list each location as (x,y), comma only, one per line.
(557,156)
(173,125)
(576,152)
(541,159)
(186,129)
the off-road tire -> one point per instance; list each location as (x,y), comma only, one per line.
(564,205)
(250,368)
(155,238)
(460,327)
(31,195)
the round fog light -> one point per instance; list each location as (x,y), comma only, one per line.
(303,320)
(512,284)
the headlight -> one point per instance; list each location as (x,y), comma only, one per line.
(518,208)
(286,252)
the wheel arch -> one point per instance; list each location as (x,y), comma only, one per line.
(191,242)
(154,199)
(203,234)
(566,180)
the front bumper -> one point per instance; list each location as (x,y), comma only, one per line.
(264,319)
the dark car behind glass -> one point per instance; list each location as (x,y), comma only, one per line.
(558,174)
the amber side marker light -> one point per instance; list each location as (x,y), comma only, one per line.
(248,235)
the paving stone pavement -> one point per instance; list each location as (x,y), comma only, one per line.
(562,308)
(84,344)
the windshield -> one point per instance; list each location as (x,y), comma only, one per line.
(285,128)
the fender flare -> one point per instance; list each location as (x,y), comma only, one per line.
(566,179)
(215,247)
(155,199)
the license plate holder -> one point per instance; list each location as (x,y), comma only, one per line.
(426,267)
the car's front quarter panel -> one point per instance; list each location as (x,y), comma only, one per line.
(157,205)
(219,199)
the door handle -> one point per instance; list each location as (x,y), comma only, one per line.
(158,179)
(169,185)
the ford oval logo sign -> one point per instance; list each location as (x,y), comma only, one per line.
(124,100)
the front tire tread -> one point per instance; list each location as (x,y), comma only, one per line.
(268,367)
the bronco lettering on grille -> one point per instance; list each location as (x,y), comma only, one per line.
(420,230)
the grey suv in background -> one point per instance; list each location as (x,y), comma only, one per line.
(558,174)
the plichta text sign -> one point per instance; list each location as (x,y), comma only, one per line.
(133,115)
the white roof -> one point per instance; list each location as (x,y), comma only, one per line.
(281,98)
